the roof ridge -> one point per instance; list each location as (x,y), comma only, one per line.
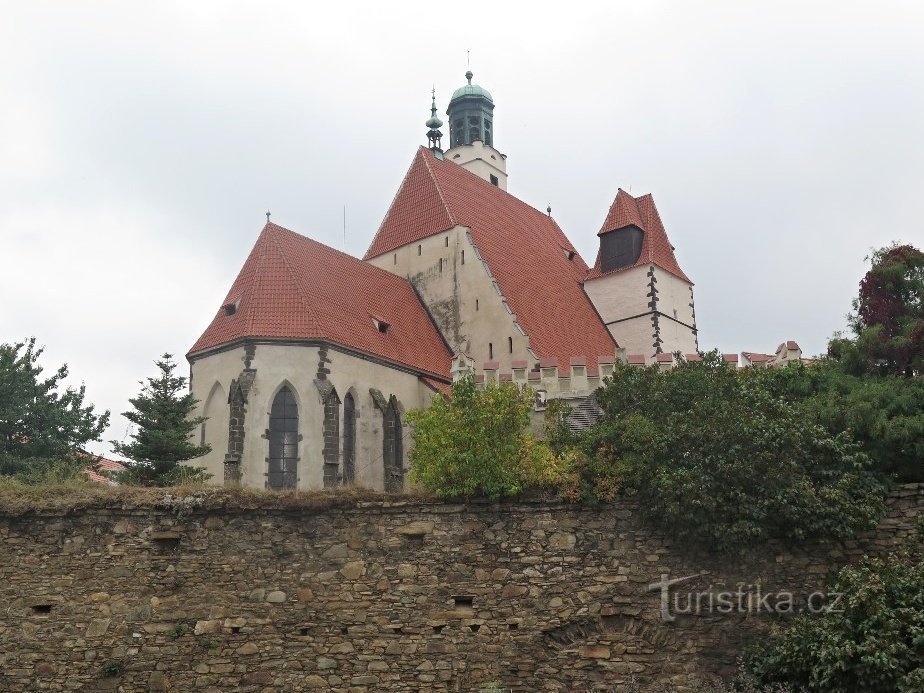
(390,206)
(302,291)
(439,190)
(390,276)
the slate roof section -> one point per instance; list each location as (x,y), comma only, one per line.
(522,246)
(656,248)
(294,288)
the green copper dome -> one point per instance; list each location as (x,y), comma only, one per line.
(470,90)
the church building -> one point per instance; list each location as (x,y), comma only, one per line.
(311,362)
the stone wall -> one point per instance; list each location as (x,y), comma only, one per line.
(373,596)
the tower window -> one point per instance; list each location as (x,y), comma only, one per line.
(463,257)
(447,241)
(620,248)
(441,264)
(510,344)
(418,250)
(494,180)
(490,351)
(476,304)
(396,258)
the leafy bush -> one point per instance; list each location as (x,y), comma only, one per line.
(476,442)
(874,643)
(884,413)
(715,458)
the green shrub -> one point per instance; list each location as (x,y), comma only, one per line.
(716,459)
(873,642)
(476,443)
(884,413)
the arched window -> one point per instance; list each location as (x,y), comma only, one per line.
(331,433)
(349,439)
(393,452)
(282,472)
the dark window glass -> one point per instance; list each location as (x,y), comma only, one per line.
(282,472)
(620,248)
(393,452)
(349,439)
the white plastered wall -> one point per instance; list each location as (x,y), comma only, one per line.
(622,300)
(296,366)
(482,160)
(463,299)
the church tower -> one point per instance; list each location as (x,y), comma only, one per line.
(471,133)
(637,286)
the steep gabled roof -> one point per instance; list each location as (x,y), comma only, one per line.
(656,248)
(537,268)
(294,288)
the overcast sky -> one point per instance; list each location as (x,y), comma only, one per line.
(141,143)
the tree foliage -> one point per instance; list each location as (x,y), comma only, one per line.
(872,641)
(883,413)
(162,438)
(889,316)
(717,459)
(476,443)
(42,430)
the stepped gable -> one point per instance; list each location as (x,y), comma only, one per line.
(656,247)
(537,268)
(294,288)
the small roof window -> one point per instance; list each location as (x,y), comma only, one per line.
(231,308)
(380,324)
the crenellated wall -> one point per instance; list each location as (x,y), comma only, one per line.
(382,594)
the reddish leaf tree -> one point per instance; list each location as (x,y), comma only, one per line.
(889,319)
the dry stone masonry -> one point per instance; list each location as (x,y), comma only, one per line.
(376,595)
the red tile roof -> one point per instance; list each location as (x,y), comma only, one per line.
(104,465)
(294,288)
(656,248)
(522,246)
(755,357)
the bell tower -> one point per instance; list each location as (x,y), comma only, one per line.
(471,133)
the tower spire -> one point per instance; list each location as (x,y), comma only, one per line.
(434,124)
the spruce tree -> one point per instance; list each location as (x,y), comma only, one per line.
(162,438)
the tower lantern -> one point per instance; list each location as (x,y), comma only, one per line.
(434,124)
(471,133)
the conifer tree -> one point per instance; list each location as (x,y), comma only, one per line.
(162,439)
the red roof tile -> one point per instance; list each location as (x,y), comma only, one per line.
(755,357)
(522,246)
(635,359)
(104,465)
(437,385)
(518,364)
(664,358)
(656,248)
(292,287)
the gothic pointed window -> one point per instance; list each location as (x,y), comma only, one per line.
(349,439)
(282,471)
(393,448)
(331,435)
